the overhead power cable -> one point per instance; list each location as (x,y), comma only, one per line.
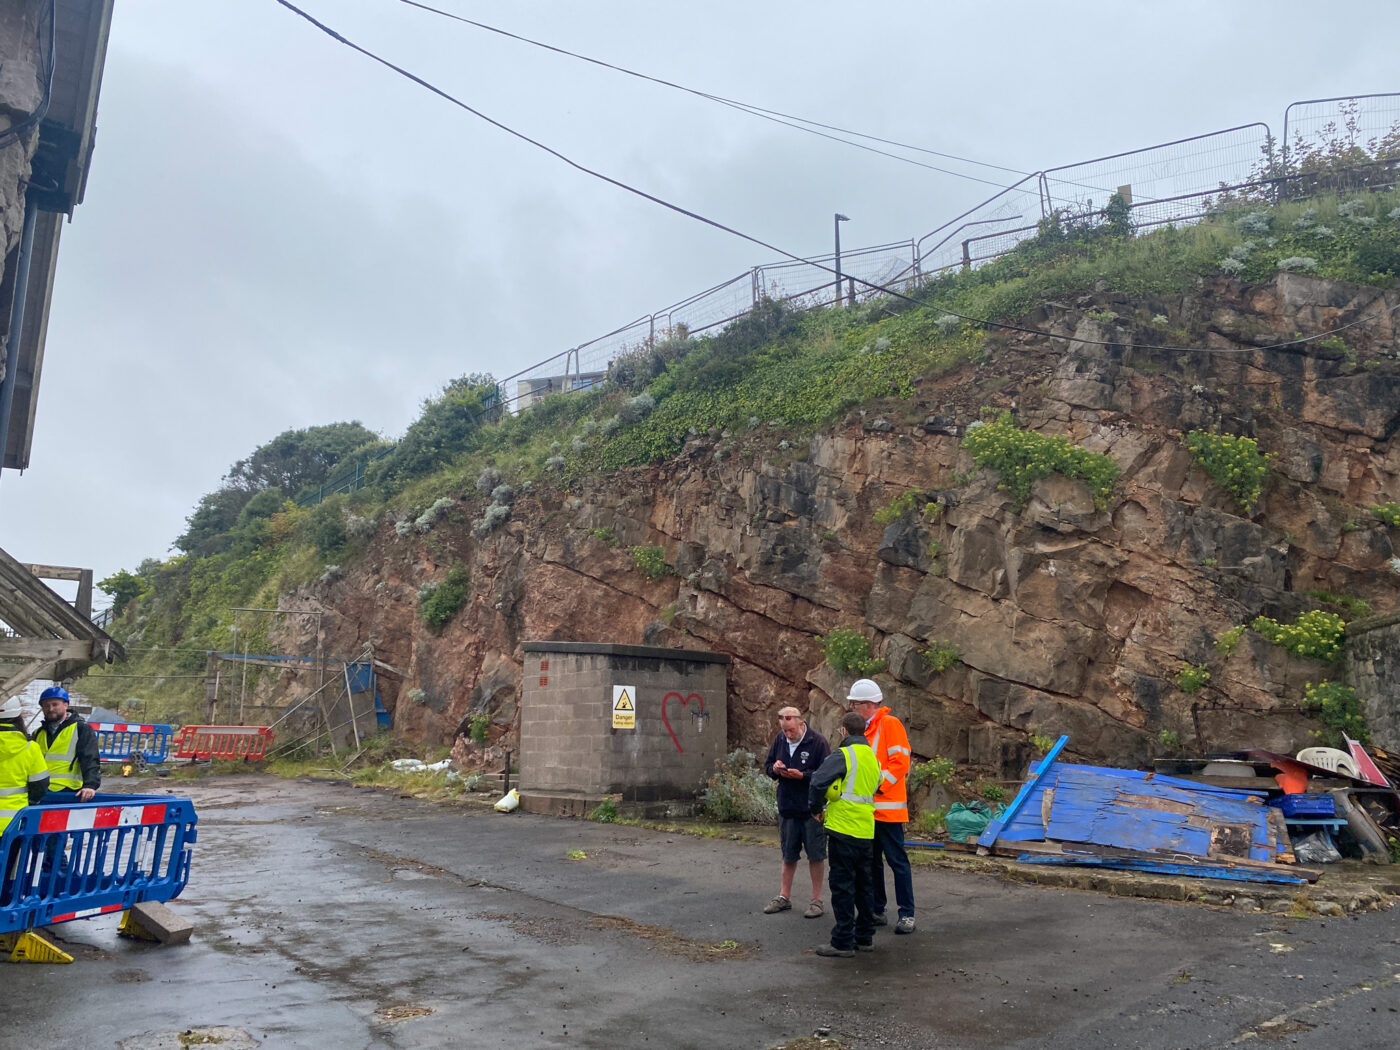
(882,289)
(777,116)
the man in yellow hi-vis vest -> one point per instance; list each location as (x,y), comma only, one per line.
(845,785)
(70,750)
(23,780)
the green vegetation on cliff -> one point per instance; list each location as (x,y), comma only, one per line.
(770,379)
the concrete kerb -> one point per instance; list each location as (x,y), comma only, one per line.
(1343,888)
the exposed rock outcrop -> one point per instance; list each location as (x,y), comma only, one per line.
(1068,618)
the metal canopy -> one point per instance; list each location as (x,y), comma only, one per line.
(57,181)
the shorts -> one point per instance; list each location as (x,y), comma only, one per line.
(797,833)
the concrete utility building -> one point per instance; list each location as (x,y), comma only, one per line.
(642,722)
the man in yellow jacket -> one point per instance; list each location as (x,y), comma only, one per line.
(70,749)
(24,778)
(845,786)
(890,743)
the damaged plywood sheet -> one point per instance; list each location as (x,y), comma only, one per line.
(1028,821)
(1155,814)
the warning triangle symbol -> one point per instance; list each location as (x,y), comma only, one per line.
(623,703)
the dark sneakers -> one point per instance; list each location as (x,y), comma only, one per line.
(865,947)
(880,919)
(830,951)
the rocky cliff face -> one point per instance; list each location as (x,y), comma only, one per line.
(1068,618)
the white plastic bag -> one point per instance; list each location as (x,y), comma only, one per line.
(509,801)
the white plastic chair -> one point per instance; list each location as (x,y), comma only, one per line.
(1330,758)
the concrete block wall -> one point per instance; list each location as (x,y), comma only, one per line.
(1372,668)
(567,739)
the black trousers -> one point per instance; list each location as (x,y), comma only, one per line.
(848,867)
(889,845)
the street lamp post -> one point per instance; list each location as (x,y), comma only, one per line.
(839,220)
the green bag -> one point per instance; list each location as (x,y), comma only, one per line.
(967,820)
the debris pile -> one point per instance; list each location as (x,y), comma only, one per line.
(1249,815)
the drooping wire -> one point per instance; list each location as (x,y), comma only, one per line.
(872,286)
(777,116)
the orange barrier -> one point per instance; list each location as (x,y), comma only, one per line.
(249,743)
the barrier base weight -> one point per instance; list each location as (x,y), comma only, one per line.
(152,921)
(30,947)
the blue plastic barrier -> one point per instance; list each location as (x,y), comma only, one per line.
(123,741)
(70,862)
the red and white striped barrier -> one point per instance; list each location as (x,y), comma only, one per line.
(63,819)
(122,727)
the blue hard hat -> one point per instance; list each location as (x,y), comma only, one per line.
(54,692)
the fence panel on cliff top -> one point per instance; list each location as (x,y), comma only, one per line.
(1330,125)
(1014,207)
(1160,173)
(1168,184)
(1171,183)
(810,284)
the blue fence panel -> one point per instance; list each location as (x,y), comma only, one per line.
(73,861)
(121,741)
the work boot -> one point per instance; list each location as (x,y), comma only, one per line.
(777,904)
(905,925)
(830,951)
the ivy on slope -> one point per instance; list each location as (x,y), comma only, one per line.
(801,386)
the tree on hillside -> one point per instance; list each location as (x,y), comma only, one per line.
(122,587)
(445,428)
(295,459)
(290,462)
(208,525)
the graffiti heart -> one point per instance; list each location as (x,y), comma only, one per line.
(684,701)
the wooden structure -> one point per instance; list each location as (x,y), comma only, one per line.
(50,638)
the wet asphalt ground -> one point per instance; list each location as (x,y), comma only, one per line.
(333,917)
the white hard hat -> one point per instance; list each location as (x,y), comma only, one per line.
(10,708)
(865,689)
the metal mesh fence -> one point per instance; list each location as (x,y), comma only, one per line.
(1160,173)
(1340,128)
(1170,183)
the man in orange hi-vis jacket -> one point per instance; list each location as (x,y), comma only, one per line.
(890,743)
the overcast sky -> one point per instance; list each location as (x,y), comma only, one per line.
(280,233)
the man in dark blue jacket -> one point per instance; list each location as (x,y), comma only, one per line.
(795,754)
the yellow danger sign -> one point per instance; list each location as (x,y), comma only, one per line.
(624,709)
